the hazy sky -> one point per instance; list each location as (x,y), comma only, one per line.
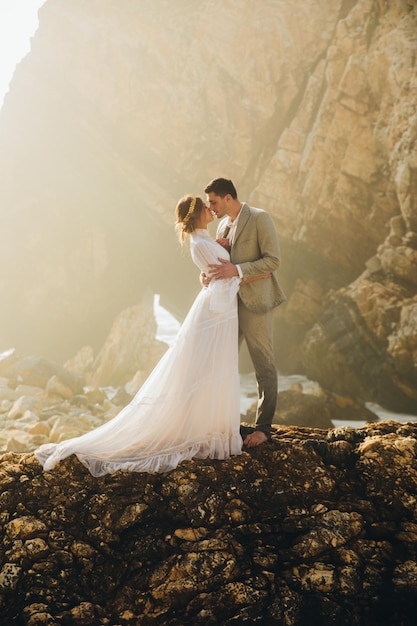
(18,22)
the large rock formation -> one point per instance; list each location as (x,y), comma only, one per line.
(346,165)
(310,108)
(317,527)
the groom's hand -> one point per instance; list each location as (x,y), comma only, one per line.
(225,269)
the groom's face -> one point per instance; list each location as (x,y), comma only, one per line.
(217,204)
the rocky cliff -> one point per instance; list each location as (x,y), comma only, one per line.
(119,109)
(317,527)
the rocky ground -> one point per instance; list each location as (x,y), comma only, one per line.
(317,527)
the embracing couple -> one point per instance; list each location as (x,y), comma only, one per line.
(189,407)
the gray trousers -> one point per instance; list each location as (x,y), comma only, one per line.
(257,330)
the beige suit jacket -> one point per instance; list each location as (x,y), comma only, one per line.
(256,249)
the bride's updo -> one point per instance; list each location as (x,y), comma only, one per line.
(187,212)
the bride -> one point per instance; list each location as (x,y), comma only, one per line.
(189,405)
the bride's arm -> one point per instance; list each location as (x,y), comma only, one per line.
(206,255)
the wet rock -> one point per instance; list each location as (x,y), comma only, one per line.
(264,537)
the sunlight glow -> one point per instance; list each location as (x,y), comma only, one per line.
(18,22)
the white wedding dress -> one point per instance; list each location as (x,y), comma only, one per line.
(189,405)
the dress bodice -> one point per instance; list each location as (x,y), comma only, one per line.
(205,250)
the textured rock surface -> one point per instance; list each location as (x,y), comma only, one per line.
(317,527)
(366,206)
(309,106)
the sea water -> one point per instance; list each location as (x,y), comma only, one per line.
(168,327)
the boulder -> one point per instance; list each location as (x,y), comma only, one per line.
(130,346)
(315,408)
(38,370)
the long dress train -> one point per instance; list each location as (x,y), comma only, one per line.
(189,405)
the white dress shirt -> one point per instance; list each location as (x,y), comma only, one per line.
(232,225)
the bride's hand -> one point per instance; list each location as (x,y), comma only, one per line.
(225,243)
(204,279)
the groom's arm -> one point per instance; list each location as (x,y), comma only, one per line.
(267,243)
(224,269)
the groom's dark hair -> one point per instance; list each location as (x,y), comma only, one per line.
(221,187)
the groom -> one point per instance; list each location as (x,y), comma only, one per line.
(250,237)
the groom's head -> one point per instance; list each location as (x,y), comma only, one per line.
(221,187)
(221,194)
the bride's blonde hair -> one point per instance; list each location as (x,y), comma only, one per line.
(187,211)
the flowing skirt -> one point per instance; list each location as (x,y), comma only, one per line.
(188,407)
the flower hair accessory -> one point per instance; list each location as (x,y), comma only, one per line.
(191,209)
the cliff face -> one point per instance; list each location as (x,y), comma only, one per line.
(347,163)
(316,528)
(309,107)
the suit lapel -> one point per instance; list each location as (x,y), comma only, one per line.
(243,218)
